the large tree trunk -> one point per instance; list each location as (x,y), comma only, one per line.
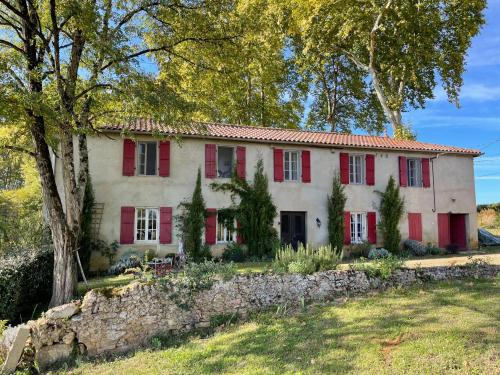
(63,238)
(65,275)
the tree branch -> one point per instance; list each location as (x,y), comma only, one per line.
(18,149)
(127,17)
(12,46)
(12,8)
(167,48)
(93,87)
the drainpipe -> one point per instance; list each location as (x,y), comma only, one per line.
(433,187)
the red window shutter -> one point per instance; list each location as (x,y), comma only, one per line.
(370,169)
(371,218)
(415,226)
(278,164)
(306,166)
(347,227)
(210,165)
(344,168)
(241,162)
(165,225)
(444,230)
(211,226)
(128,157)
(127,225)
(164,162)
(239,235)
(426,178)
(403,174)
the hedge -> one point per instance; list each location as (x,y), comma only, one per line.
(25,284)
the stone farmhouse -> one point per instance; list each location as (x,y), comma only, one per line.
(142,171)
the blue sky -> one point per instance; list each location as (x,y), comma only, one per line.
(476,123)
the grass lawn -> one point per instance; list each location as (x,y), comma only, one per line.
(450,328)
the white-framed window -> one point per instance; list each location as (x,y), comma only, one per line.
(146,224)
(358,227)
(414,172)
(147,158)
(291,165)
(225,234)
(225,161)
(356,169)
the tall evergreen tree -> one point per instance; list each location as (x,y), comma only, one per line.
(336,204)
(191,222)
(391,212)
(255,212)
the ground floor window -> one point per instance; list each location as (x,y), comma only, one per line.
(146,224)
(358,227)
(226,228)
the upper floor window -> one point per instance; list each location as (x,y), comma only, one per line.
(414,172)
(358,227)
(225,161)
(225,232)
(146,224)
(356,169)
(147,158)
(291,165)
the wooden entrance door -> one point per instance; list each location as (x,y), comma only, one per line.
(458,231)
(293,228)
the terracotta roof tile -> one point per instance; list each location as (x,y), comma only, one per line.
(277,135)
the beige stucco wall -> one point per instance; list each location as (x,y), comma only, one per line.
(454,185)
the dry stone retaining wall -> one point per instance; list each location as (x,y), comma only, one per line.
(130,316)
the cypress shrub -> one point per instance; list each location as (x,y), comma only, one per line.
(336,205)
(25,284)
(391,212)
(255,211)
(191,222)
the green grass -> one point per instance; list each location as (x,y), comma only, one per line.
(249,267)
(105,282)
(441,328)
(116,281)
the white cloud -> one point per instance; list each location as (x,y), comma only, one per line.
(474,92)
(423,121)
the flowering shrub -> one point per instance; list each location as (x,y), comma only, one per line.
(416,248)
(382,267)
(125,262)
(378,253)
(306,259)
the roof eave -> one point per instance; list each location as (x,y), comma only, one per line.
(313,144)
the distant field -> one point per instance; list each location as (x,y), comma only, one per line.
(495,231)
